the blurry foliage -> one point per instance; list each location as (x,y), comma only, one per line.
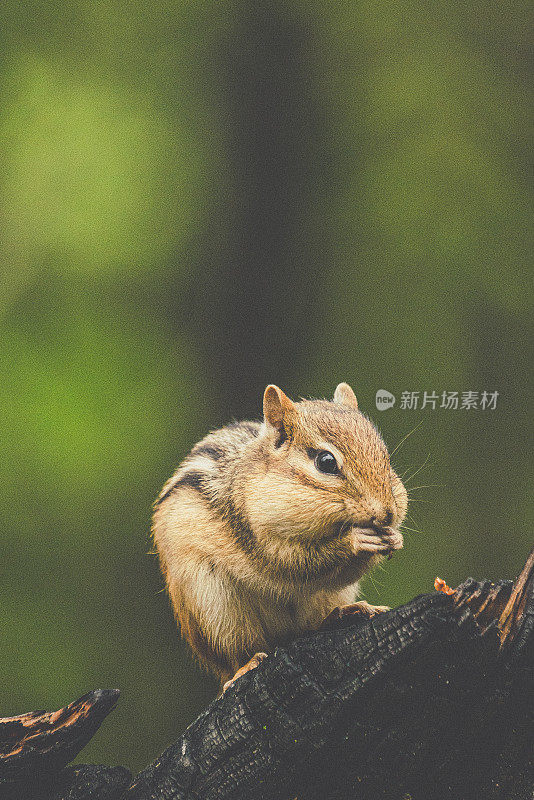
(392,250)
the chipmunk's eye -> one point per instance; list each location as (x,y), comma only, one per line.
(325,462)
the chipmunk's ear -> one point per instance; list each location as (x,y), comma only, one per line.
(345,396)
(279,412)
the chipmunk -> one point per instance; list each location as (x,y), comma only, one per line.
(266,527)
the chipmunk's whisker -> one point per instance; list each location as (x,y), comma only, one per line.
(371,578)
(428,486)
(423,465)
(413,530)
(407,435)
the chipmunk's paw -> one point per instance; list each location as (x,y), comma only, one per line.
(252,664)
(366,610)
(394,539)
(376,540)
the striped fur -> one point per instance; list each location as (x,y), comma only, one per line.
(256,545)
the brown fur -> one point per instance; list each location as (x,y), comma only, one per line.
(256,544)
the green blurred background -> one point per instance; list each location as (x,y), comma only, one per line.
(202,198)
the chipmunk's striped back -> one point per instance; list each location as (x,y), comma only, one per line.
(209,463)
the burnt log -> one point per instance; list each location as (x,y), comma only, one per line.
(434,699)
(36,747)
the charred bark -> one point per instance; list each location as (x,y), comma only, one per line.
(434,699)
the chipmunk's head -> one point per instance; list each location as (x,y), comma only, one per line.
(327,469)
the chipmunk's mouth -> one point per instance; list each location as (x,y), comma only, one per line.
(344,528)
(349,525)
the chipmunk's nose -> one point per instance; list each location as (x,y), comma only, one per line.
(383,521)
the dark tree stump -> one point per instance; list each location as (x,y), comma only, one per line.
(434,699)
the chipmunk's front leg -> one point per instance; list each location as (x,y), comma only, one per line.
(368,542)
